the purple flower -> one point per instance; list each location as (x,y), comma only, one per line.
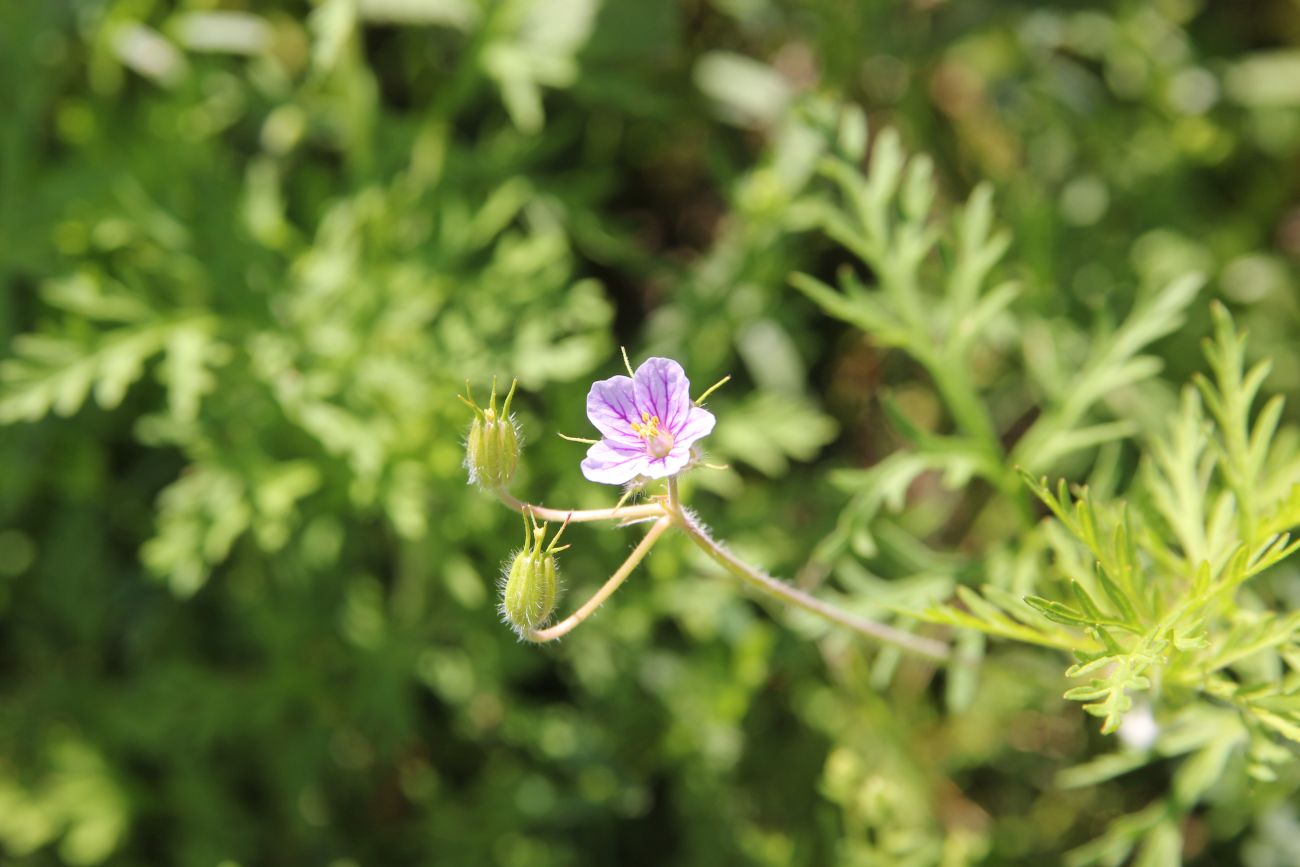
(648,421)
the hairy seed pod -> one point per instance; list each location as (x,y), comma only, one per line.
(532,581)
(530,591)
(492,448)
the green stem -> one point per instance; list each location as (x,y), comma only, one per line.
(578,516)
(670,513)
(607,589)
(963,402)
(759,580)
(972,417)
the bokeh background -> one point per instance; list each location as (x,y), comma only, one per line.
(250,251)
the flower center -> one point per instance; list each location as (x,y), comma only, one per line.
(658,443)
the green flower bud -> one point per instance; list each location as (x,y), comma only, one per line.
(532,581)
(492,448)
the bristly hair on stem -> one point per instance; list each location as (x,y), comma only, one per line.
(668,513)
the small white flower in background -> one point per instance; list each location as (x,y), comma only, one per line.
(1139,729)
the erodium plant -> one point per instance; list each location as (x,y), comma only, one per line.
(650,428)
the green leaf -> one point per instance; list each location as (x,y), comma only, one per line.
(768,430)
(1120,599)
(1203,769)
(1057,611)
(1101,769)
(1090,609)
(56,375)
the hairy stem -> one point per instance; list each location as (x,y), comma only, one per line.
(615,581)
(578,516)
(670,513)
(789,594)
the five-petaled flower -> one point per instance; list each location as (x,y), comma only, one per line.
(649,423)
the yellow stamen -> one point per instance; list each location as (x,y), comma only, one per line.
(648,427)
(658,443)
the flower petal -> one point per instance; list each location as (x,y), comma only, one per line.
(611,406)
(699,423)
(610,464)
(670,465)
(662,389)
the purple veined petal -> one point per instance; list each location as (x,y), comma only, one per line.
(663,390)
(610,464)
(699,424)
(611,406)
(669,465)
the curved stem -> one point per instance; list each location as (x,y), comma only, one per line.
(578,516)
(598,598)
(927,647)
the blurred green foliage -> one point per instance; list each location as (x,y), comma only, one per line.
(250,251)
